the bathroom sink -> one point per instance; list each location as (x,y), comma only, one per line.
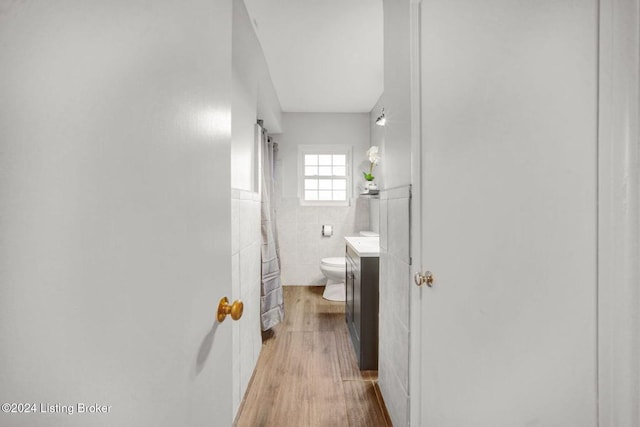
(364,246)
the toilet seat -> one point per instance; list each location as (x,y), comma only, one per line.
(334,262)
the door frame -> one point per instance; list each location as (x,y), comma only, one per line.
(415,221)
(618,296)
(618,213)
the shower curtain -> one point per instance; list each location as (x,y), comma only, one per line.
(271,297)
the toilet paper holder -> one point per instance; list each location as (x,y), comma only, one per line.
(327,230)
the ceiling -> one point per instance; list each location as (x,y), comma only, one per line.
(323,55)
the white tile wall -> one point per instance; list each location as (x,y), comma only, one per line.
(301,243)
(398,228)
(300,235)
(374,214)
(395,398)
(245,280)
(398,282)
(382,223)
(393,365)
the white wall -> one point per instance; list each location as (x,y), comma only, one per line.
(300,227)
(395,142)
(376,139)
(396,100)
(114,200)
(348,129)
(253,97)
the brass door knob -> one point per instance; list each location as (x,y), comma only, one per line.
(235,309)
(421,279)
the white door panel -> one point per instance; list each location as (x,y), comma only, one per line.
(509,213)
(115,211)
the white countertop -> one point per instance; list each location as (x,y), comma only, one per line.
(364,246)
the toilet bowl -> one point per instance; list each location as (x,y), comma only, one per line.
(334,269)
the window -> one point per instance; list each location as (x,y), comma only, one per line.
(325,177)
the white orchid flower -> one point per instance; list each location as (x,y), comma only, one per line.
(372,153)
(374,158)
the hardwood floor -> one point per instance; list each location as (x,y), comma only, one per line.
(307,374)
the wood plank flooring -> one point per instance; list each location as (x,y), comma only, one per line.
(307,374)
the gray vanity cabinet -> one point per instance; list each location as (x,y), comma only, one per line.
(362,307)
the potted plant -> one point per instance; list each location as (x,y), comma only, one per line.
(374,158)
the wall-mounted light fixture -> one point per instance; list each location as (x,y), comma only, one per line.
(381,120)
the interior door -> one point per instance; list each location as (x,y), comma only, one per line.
(115,213)
(508,330)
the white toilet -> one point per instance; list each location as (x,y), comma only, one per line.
(334,270)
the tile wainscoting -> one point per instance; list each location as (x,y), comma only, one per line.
(393,366)
(245,278)
(302,245)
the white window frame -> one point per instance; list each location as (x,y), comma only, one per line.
(324,149)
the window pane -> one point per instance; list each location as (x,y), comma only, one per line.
(325,195)
(339,195)
(324,170)
(339,184)
(325,184)
(325,177)
(324,159)
(339,170)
